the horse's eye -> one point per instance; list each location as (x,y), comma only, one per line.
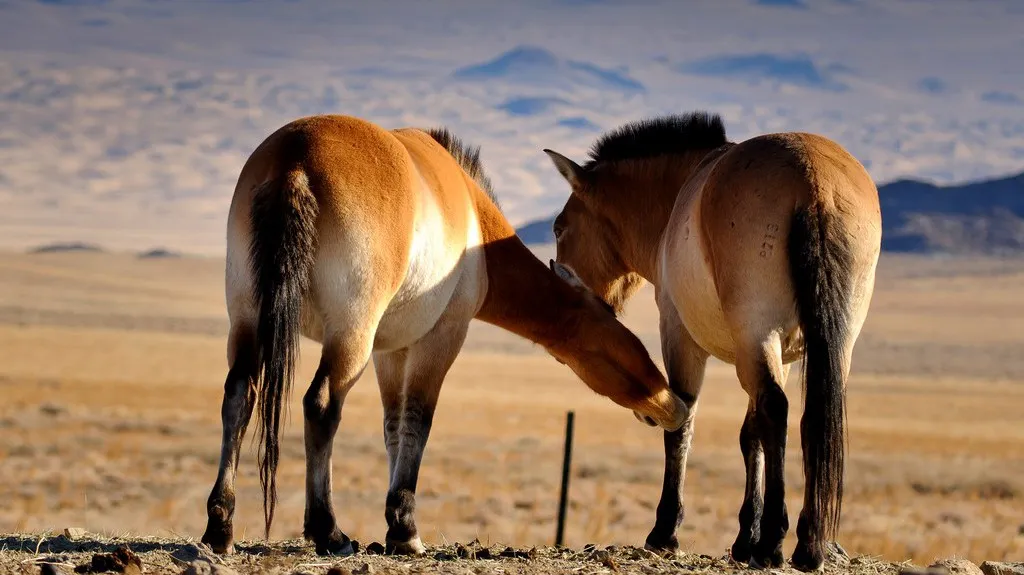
(557,230)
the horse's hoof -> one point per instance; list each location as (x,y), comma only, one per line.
(806,558)
(410,547)
(220,539)
(766,558)
(664,546)
(741,550)
(337,544)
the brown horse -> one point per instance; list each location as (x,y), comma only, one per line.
(386,243)
(760,252)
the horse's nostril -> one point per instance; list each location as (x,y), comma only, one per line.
(650,421)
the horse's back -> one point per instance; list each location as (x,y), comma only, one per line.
(727,253)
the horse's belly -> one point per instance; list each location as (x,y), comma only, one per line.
(695,296)
(426,293)
(443,278)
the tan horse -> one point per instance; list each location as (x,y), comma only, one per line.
(386,243)
(761,253)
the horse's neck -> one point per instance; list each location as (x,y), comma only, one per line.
(523,295)
(646,208)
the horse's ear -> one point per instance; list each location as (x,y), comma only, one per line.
(567,274)
(570,170)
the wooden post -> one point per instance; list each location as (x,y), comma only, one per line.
(563,497)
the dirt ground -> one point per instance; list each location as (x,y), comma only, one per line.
(28,554)
(111,374)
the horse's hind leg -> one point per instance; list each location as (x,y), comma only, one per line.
(343,361)
(426,364)
(753,497)
(236,410)
(762,375)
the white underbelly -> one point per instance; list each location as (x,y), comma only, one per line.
(696,299)
(444,277)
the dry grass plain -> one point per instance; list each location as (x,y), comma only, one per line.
(111,372)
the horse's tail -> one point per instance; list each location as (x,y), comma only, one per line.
(283,231)
(820,259)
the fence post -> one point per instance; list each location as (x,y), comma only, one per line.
(563,497)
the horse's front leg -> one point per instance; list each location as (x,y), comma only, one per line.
(685,363)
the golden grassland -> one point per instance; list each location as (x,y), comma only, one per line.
(111,373)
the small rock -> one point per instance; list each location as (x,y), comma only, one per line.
(510,553)
(640,554)
(74,533)
(375,548)
(589,547)
(915,570)
(956,567)
(338,570)
(605,558)
(123,560)
(444,556)
(364,569)
(836,552)
(50,569)
(207,568)
(997,568)
(483,553)
(192,553)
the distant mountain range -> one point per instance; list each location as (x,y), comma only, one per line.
(982,217)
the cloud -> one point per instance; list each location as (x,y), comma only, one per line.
(579,123)
(797,70)
(73,2)
(530,106)
(781,3)
(1001,97)
(932,85)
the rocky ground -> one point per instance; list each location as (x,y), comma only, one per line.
(85,553)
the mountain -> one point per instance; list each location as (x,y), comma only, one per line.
(536,66)
(982,217)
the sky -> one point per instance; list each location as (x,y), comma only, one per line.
(126,122)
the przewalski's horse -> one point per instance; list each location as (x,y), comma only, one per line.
(386,243)
(760,252)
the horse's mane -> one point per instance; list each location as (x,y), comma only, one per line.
(468,157)
(673,134)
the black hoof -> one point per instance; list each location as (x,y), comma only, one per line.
(767,558)
(337,543)
(219,536)
(742,549)
(807,557)
(661,544)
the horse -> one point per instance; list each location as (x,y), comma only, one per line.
(761,253)
(385,244)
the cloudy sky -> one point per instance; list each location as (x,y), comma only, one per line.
(125,122)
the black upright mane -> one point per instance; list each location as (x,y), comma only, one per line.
(652,137)
(468,157)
